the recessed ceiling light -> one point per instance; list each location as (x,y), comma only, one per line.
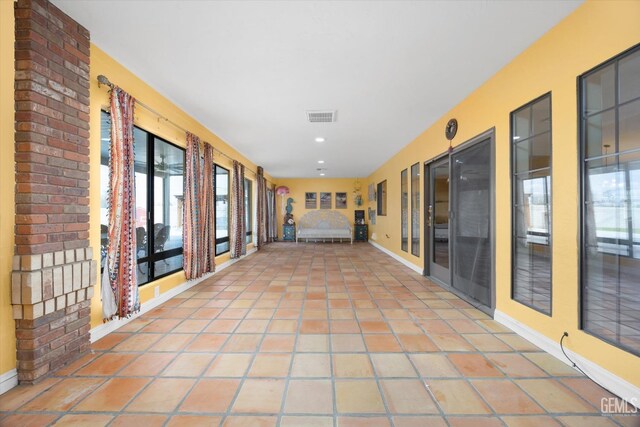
(321,161)
(319,139)
(321,174)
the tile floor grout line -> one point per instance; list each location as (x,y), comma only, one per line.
(385,282)
(426,386)
(293,353)
(254,354)
(158,375)
(217,353)
(334,390)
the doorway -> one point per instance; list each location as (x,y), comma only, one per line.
(438,219)
(460,216)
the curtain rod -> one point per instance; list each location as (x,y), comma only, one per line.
(103,80)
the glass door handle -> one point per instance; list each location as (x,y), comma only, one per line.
(429,211)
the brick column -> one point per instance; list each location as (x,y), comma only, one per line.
(53,269)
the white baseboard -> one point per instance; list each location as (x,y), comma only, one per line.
(106,328)
(397,257)
(8,380)
(614,383)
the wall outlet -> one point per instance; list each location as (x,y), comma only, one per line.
(156,291)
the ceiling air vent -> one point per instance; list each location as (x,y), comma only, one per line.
(325,116)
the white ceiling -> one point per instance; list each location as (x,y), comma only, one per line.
(249,70)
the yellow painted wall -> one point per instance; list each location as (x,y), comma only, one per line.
(7,184)
(299,186)
(101,63)
(595,32)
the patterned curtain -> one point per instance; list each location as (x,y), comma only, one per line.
(272,226)
(238,238)
(120,282)
(261,209)
(191,235)
(207,203)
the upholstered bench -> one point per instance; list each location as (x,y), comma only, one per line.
(324,225)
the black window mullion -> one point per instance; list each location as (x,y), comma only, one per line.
(616,119)
(215,209)
(150,214)
(519,286)
(222,239)
(619,335)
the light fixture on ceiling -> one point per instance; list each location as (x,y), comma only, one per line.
(319,139)
(322,174)
(321,161)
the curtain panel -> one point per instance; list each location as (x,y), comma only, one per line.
(207,202)
(119,291)
(191,234)
(238,238)
(272,226)
(261,229)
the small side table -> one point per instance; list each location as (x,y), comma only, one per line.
(288,233)
(361,233)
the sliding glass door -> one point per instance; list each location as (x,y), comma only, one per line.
(472,210)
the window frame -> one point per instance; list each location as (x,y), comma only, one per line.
(152,257)
(381,207)
(248,205)
(415,249)
(404,210)
(582,116)
(215,210)
(513,173)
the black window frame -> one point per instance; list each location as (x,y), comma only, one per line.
(248,205)
(514,179)
(404,210)
(221,240)
(381,189)
(414,180)
(152,257)
(582,116)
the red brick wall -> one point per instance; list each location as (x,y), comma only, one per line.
(53,269)
(52,129)
(52,341)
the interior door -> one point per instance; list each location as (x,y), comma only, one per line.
(438,220)
(471,212)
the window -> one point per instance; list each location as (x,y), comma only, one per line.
(222,209)
(158,210)
(247,210)
(610,229)
(404,210)
(415,209)
(531,209)
(382,198)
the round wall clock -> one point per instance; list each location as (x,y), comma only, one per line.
(451,129)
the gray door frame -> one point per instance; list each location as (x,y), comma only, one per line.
(490,135)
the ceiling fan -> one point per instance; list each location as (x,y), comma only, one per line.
(169,168)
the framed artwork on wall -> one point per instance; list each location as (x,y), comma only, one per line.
(341,200)
(325,200)
(311,200)
(372,216)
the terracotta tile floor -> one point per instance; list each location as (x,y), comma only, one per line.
(312,335)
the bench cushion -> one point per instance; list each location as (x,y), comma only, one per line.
(324,224)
